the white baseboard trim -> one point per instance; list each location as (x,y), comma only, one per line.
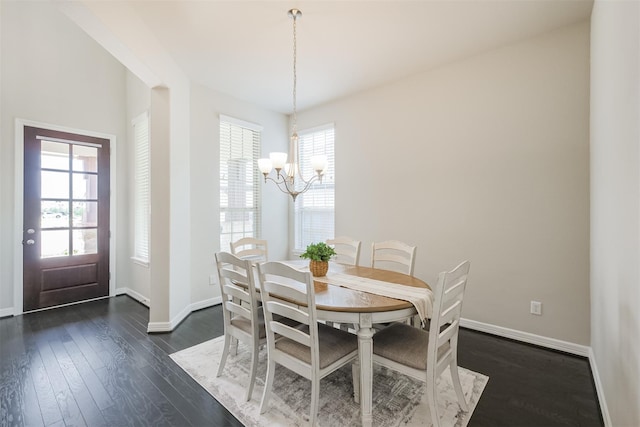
(568,347)
(6,312)
(159,327)
(599,389)
(133,294)
(170,326)
(206,303)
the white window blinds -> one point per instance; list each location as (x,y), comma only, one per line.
(240,214)
(314,209)
(141,187)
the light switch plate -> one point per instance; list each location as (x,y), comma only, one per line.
(536,308)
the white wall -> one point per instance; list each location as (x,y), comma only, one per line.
(206,107)
(121,31)
(52,72)
(73,103)
(137,282)
(615,207)
(485,159)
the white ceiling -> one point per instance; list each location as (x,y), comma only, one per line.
(244,48)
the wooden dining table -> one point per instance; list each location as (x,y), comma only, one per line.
(338,304)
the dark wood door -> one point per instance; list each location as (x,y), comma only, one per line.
(66,218)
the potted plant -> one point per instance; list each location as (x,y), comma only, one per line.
(319,255)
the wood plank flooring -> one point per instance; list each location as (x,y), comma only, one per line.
(93,364)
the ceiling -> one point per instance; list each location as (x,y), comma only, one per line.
(245,48)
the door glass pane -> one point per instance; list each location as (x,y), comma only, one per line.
(85,241)
(85,186)
(54,243)
(85,214)
(85,159)
(55,155)
(54,185)
(54,214)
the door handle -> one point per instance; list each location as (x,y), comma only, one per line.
(31,231)
(31,242)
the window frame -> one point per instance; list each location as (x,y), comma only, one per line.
(141,196)
(328,183)
(256,130)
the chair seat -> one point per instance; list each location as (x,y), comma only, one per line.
(245,325)
(391,343)
(333,345)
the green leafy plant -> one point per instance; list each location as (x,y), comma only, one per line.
(318,252)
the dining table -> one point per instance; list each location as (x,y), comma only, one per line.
(338,303)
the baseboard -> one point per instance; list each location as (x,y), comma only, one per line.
(206,303)
(6,312)
(606,417)
(156,327)
(552,343)
(170,326)
(133,294)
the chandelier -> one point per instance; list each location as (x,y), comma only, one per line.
(288,177)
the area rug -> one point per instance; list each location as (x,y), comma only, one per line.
(397,399)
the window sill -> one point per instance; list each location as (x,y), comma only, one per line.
(141,262)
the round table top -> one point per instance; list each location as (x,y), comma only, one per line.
(332,297)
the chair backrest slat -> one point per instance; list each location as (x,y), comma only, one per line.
(238,276)
(347,250)
(250,248)
(288,311)
(291,333)
(237,292)
(283,290)
(238,309)
(236,280)
(447,310)
(393,255)
(447,333)
(450,313)
(289,294)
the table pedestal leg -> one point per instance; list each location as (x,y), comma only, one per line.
(365,354)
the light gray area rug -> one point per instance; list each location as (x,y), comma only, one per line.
(397,399)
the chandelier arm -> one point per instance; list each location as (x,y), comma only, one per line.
(283,182)
(308,183)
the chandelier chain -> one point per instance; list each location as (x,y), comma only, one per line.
(288,178)
(295,77)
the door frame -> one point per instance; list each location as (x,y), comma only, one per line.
(18,285)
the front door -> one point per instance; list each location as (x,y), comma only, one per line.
(66,218)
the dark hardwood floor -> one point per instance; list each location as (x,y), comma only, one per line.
(94,364)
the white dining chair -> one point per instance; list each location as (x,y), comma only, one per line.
(347,250)
(424,355)
(250,248)
(312,350)
(243,318)
(393,255)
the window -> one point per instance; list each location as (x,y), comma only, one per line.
(314,209)
(239,181)
(142,207)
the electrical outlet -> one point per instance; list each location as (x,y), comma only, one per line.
(213,279)
(536,308)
